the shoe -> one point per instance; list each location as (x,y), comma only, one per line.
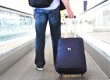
(39,69)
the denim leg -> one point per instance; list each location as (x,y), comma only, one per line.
(55,28)
(40,27)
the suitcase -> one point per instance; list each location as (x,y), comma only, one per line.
(70,56)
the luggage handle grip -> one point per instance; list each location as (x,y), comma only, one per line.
(68,17)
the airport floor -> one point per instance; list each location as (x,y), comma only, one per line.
(25,68)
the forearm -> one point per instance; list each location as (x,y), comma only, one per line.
(66,4)
(69,11)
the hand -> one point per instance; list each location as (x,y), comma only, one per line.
(66,16)
(70,13)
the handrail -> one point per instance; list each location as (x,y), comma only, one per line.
(15,10)
(97,5)
(94,7)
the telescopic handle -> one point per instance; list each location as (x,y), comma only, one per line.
(67,25)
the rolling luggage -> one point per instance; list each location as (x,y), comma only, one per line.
(70,56)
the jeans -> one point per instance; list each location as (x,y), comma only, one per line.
(42,17)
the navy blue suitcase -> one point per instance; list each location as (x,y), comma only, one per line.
(70,56)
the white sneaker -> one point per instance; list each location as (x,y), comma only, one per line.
(40,69)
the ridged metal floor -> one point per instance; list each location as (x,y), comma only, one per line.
(25,69)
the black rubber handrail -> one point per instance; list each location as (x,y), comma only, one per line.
(14,10)
(94,7)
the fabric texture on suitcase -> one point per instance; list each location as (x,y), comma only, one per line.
(70,56)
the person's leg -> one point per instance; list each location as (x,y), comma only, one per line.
(40,26)
(55,28)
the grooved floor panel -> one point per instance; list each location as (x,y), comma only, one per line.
(25,69)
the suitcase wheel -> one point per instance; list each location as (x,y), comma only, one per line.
(60,77)
(81,75)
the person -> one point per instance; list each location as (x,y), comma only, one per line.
(42,15)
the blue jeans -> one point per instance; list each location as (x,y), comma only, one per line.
(42,17)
